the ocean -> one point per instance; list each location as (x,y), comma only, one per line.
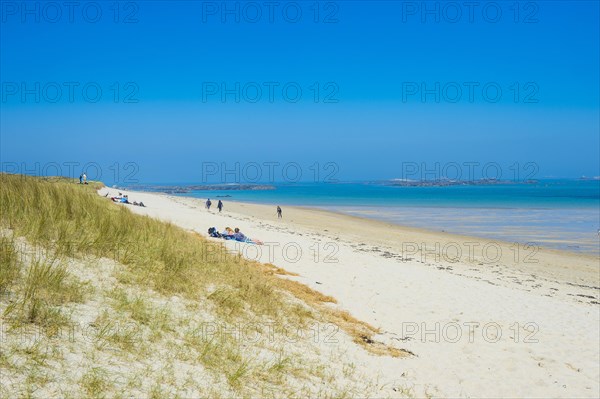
(562,214)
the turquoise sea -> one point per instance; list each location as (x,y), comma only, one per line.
(562,214)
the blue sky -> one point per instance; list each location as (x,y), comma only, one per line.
(382,83)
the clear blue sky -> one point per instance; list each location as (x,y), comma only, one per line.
(370,62)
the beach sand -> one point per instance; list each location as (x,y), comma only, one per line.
(484,318)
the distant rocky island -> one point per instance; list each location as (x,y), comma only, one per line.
(202,187)
(449,182)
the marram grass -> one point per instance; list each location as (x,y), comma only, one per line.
(72,221)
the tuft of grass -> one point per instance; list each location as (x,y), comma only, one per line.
(281,364)
(95,383)
(46,287)
(227,301)
(137,307)
(141,311)
(237,375)
(10,267)
(124,336)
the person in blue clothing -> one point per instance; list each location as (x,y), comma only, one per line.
(227,233)
(241,237)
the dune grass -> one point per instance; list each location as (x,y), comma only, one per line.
(94,383)
(74,221)
(70,221)
(46,287)
(43,286)
(9,263)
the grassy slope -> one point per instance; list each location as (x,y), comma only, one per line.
(155,260)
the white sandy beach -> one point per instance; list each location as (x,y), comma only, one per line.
(483,318)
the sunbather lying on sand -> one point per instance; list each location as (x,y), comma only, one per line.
(122,200)
(239,236)
(125,200)
(229,234)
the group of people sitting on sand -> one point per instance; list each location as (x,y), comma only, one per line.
(229,234)
(124,199)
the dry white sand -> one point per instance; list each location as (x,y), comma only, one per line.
(484,318)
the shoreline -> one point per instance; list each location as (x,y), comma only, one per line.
(390,224)
(459,254)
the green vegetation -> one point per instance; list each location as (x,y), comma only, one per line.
(46,286)
(9,264)
(73,220)
(46,225)
(95,383)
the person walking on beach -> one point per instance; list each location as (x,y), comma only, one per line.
(220,206)
(208,204)
(279,216)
